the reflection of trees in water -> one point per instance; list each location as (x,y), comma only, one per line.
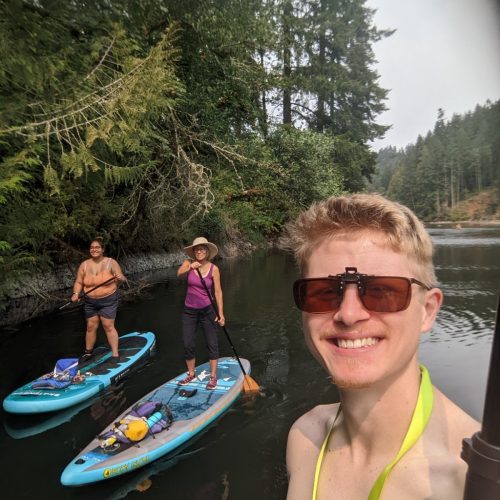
(110,406)
(24,308)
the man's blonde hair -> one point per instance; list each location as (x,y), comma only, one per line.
(404,233)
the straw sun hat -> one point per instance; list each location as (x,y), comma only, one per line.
(212,249)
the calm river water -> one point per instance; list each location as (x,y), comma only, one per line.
(241,456)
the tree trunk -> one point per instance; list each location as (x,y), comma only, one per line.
(321,70)
(287,68)
(263,101)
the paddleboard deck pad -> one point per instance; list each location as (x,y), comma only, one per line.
(192,408)
(98,372)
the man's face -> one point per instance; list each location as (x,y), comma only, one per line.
(359,347)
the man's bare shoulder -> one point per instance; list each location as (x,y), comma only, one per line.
(452,422)
(305,439)
(315,420)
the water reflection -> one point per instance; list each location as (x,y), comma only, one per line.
(458,348)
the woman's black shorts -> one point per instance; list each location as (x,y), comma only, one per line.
(105,307)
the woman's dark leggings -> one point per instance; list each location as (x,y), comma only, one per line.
(205,317)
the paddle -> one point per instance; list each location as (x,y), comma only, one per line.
(482,450)
(249,384)
(91,290)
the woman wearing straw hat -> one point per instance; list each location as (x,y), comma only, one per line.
(202,276)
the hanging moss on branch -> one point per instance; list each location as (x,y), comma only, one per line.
(150,122)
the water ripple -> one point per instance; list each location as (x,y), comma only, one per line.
(463,327)
(468,291)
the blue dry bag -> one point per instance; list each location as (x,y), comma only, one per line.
(61,377)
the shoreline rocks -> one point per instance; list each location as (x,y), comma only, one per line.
(33,296)
(464,223)
(63,277)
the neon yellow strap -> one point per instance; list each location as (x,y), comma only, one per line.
(322,452)
(419,420)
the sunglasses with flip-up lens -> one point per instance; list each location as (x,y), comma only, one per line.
(376,293)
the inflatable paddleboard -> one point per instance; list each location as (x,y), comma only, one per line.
(190,408)
(98,372)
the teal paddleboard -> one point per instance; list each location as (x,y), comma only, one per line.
(192,407)
(99,372)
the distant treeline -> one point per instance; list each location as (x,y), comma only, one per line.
(457,159)
(151,121)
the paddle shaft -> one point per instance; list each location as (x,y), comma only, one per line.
(212,301)
(91,290)
(482,451)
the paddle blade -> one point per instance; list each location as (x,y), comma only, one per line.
(249,385)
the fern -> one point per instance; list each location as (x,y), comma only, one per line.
(122,175)
(112,116)
(15,173)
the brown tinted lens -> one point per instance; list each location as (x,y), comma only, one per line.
(319,295)
(386,294)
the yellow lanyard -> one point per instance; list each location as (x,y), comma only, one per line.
(321,454)
(419,420)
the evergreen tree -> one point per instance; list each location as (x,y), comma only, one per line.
(456,160)
(150,120)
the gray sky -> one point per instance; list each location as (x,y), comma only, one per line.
(444,54)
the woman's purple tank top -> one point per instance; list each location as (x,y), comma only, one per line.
(196,295)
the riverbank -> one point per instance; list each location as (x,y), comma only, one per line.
(464,223)
(35,295)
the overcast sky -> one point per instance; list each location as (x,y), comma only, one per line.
(444,54)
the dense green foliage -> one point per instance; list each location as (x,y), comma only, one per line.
(457,159)
(151,121)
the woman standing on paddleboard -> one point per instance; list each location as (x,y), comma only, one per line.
(203,277)
(97,279)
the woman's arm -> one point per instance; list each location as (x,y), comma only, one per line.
(78,284)
(116,271)
(218,296)
(184,268)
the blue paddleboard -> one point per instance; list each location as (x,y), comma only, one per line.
(191,414)
(99,371)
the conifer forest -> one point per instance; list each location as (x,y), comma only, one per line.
(150,122)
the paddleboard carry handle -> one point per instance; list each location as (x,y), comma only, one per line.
(482,450)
